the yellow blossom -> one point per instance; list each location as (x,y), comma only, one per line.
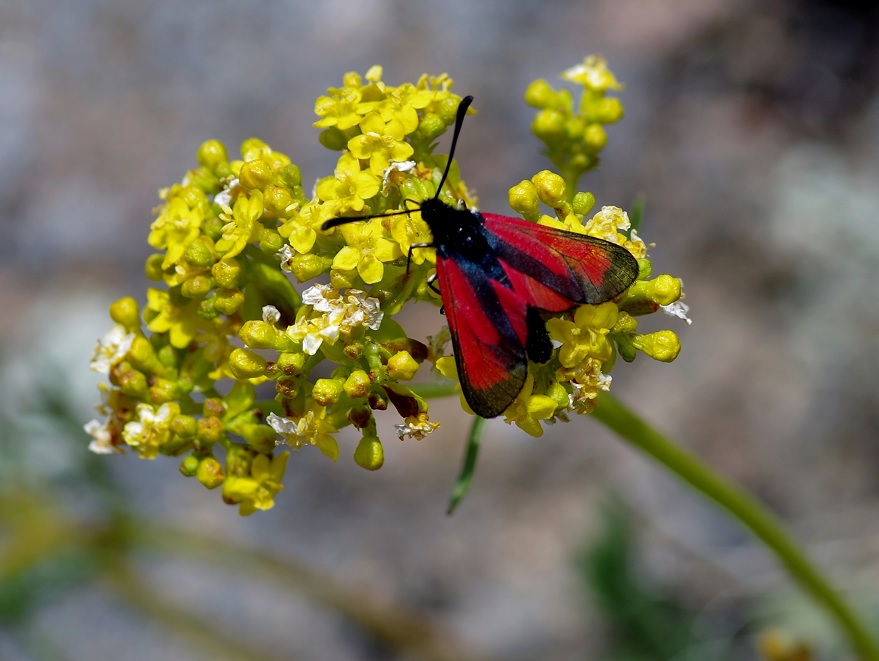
(241,227)
(528,410)
(593,74)
(367,250)
(585,336)
(177,225)
(607,223)
(349,187)
(257,491)
(181,322)
(381,142)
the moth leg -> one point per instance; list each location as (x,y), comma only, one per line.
(413,247)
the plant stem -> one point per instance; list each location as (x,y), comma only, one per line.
(747,510)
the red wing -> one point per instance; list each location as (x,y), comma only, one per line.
(555,269)
(488,327)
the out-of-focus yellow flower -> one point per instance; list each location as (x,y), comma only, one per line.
(257,491)
(593,74)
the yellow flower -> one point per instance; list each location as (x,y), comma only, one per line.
(181,322)
(333,314)
(349,187)
(241,227)
(177,225)
(313,428)
(585,336)
(587,380)
(381,142)
(367,250)
(112,349)
(258,490)
(340,110)
(607,223)
(528,410)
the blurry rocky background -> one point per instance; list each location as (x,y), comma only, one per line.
(751,130)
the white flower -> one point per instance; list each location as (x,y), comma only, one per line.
(270,314)
(111,349)
(151,429)
(395,166)
(678,309)
(102,437)
(286,254)
(338,314)
(224,197)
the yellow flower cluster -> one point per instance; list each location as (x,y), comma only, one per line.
(221,361)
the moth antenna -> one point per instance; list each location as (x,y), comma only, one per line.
(459,122)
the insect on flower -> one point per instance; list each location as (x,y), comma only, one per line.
(497,275)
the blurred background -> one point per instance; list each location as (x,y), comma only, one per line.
(752,131)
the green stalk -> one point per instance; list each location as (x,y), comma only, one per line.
(750,513)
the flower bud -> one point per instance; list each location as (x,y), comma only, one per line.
(327,391)
(308,267)
(228,301)
(164,390)
(369,453)
(663,345)
(226,272)
(357,384)
(540,94)
(184,426)
(212,155)
(153,267)
(595,137)
(258,334)
(126,312)
(256,174)
(550,188)
(246,364)
(333,139)
(583,203)
(431,127)
(524,200)
(210,473)
(401,366)
(189,466)
(260,437)
(549,126)
(197,287)
(198,254)
(277,200)
(210,430)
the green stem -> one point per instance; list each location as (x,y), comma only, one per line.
(750,513)
(468,467)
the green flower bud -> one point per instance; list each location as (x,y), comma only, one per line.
(583,203)
(333,139)
(524,200)
(291,362)
(227,272)
(291,176)
(257,334)
(645,268)
(212,155)
(626,323)
(663,345)
(184,426)
(254,148)
(210,430)
(189,466)
(210,473)
(595,137)
(431,127)
(198,254)
(143,356)
(260,437)
(369,453)
(401,366)
(606,110)
(131,382)
(126,312)
(557,393)
(540,94)
(666,289)
(327,391)
(447,109)
(246,364)
(164,390)
(228,301)
(308,267)
(256,174)
(550,188)
(277,200)
(153,267)
(357,384)
(549,126)
(197,287)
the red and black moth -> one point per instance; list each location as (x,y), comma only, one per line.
(497,275)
